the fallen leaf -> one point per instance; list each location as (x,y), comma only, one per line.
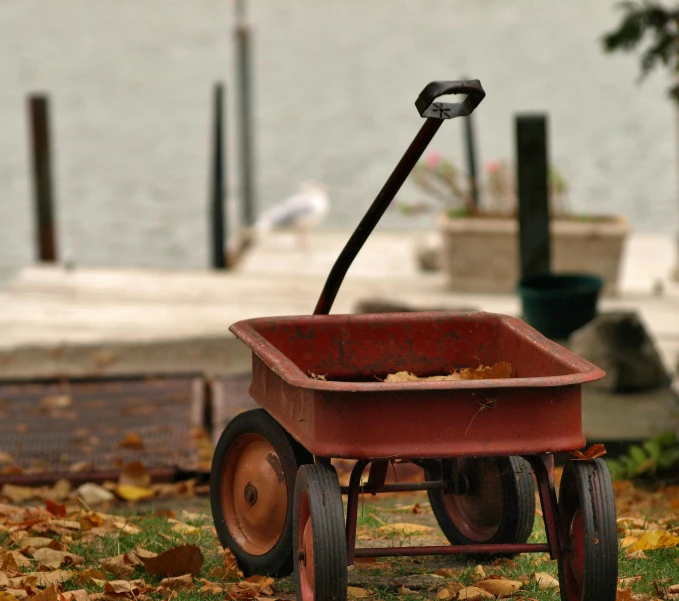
(624,595)
(56,402)
(49,594)
(130,588)
(78,595)
(37,542)
(447,572)
(15,560)
(263,582)
(49,578)
(625,582)
(210,588)
(230,565)
(60,491)
(186,559)
(132,440)
(500,587)
(178,583)
(473,593)
(68,524)
(637,555)
(56,559)
(404,528)
(183,528)
(6,457)
(545,580)
(478,573)
(10,594)
(92,576)
(56,509)
(356,592)
(142,553)
(655,539)
(93,494)
(130,492)
(501,370)
(449,591)
(117,566)
(18,494)
(135,474)
(596,450)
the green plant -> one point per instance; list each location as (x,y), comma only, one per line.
(443,182)
(657,454)
(654,23)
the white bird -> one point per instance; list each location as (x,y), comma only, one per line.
(300,213)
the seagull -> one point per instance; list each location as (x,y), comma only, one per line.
(300,213)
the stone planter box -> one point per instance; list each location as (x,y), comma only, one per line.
(481,254)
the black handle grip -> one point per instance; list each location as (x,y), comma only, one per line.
(448,110)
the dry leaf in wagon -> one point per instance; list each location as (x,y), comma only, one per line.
(500,370)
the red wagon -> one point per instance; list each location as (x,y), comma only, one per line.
(276,499)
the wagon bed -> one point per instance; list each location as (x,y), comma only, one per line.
(352,413)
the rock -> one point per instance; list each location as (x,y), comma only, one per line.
(379,305)
(419,582)
(619,344)
(428,257)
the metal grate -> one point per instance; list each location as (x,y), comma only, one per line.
(74,428)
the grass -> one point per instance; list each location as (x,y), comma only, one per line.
(156,533)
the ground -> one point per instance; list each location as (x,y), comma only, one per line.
(51,550)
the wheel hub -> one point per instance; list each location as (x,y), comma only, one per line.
(254,494)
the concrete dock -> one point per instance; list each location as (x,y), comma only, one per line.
(96,321)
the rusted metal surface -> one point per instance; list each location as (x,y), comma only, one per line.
(352,509)
(435,113)
(543,468)
(74,428)
(352,414)
(451,550)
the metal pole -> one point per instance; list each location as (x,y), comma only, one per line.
(218,215)
(42,177)
(245,127)
(533,191)
(470,150)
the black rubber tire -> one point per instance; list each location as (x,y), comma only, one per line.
(512,489)
(278,560)
(586,488)
(318,498)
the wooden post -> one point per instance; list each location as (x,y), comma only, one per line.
(533,193)
(218,193)
(245,133)
(38,106)
(470,151)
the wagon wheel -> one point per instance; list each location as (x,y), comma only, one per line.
(493,502)
(320,541)
(252,483)
(588,568)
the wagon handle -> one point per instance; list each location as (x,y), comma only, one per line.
(447,110)
(434,113)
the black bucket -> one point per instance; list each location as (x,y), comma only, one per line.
(558,304)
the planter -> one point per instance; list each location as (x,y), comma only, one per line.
(558,304)
(481,254)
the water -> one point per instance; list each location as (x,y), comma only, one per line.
(335,85)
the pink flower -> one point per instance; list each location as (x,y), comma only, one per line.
(492,166)
(433,159)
